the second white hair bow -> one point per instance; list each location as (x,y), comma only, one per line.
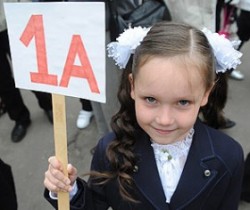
(226,56)
(126,44)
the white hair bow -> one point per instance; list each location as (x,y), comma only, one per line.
(226,56)
(126,44)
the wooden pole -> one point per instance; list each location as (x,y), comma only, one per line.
(60,138)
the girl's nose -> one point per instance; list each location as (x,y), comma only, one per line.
(165,116)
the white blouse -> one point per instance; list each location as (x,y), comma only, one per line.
(170,160)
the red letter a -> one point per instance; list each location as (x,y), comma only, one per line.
(83,71)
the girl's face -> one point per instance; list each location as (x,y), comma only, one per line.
(167,95)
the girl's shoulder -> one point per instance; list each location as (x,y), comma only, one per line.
(222,146)
(217,137)
(222,140)
(99,160)
(106,140)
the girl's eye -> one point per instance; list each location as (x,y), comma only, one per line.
(150,100)
(183,102)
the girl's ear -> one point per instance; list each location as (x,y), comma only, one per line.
(131,81)
(206,96)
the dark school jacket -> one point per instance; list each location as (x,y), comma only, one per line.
(211,178)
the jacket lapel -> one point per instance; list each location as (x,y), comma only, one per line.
(152,191)
(197,168)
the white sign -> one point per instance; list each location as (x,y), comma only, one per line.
(58,47)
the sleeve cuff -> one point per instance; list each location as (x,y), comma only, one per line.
(53,195)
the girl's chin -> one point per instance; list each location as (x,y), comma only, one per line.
(162,140)
(167,137)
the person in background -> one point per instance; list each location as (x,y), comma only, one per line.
(227,9)
(2,108)
(8,199)
(10,95)
(243,30)
(243,33)
(159,155)
(85,114)
(245,193)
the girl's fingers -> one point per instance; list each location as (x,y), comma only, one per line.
(55,163)
(71,169)
(55,184)
(56,170)
(72,173)
(52,187)
(55,180)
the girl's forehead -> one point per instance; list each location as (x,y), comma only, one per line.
(184,64)
(175,71)
(186,58)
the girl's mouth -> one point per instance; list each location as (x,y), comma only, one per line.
(163,131)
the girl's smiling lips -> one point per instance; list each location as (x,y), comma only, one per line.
(163,131)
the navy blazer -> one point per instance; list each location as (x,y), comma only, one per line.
(211,178)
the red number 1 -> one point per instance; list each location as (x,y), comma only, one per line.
(35,29)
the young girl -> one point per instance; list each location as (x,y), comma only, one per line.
(159,155)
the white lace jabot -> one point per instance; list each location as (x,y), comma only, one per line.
(170,160)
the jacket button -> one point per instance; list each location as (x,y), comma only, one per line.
(135,169)
(207,172)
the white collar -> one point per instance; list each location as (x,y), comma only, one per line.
(167,152)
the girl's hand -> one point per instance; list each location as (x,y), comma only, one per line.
(55,180)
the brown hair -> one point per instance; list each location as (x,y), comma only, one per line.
(165,39)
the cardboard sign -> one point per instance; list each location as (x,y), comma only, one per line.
(58,47)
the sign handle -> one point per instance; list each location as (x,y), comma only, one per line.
(60,138)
